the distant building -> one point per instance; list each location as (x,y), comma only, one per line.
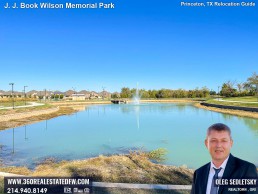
(78,97)
(105,94)
(86,93)
(94,95)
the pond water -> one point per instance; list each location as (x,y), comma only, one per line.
(115,129)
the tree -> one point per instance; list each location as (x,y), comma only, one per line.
(212,92)
(228,90)
(152,93)
(125,93)
(240,86)
(115,95)
(144,93)
(252,83)
(205,91)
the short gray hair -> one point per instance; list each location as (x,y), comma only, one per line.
(219,127)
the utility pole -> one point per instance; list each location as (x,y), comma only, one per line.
(103,89)
(12,93)
(24,94)
(45,95)
(257,90)
(218,92)
(74,91)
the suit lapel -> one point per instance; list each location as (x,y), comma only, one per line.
(229,167)
(228,170)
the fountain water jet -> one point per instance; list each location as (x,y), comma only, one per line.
(136,101)
(136,97)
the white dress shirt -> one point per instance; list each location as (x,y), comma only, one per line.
(212,173)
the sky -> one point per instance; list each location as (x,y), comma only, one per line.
(158,44)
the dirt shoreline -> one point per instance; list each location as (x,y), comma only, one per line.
(25,118)
(16,119)
(240,113)
(134,167)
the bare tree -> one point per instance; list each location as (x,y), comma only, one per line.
(252,83)
(240,87)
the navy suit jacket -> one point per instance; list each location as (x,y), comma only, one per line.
(235,168)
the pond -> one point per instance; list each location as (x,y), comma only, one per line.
(180,128)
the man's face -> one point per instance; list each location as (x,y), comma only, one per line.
(219,144)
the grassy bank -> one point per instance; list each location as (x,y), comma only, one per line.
(81,102)
(240,113)
(243,99)
(32,119)
(26,109)
(242,102)
(9,103)
(135,167)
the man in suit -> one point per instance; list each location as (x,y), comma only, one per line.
(219,142)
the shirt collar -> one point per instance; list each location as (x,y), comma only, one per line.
(223,165)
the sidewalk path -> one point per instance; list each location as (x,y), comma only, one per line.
(6,174)
(30,104)
(233,101)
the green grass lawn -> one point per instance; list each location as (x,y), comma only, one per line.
(242,104)
(244,99)
(16,103)
(26,109)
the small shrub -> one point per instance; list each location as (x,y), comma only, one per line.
(157,155)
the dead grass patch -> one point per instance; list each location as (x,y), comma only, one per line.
(19,122)
(132,168)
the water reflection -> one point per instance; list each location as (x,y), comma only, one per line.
(13,141)
(137,114)
(252,124)
(25,132)
(46,125)
(155,107)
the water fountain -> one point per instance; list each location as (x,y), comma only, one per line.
(136,101)
(136,97)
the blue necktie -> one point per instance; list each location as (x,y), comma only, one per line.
(214,188)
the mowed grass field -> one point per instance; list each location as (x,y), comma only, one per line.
(240,101)
(243,99)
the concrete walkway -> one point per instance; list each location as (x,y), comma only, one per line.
(6,174)
(123,185)
(30,104)
(141,186)
(233,101)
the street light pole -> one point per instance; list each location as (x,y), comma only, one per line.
(74,89)
(218,92)
(25,95)
(45,94)
(257,91)
(12,93)
(103,89)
